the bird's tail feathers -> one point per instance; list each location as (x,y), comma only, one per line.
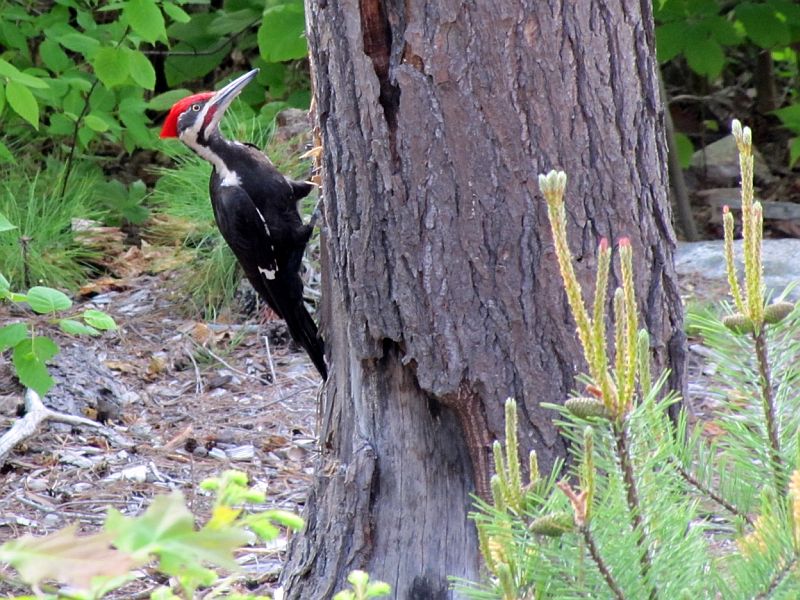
(304,331)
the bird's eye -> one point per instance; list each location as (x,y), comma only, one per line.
(195,107)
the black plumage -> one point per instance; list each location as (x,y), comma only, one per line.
(255,208)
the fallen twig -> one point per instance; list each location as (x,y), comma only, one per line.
(37,413)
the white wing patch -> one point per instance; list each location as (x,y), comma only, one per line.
(268,273)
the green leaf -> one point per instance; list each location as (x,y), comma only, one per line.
(141,69)
(54,57)
(22,101)
(14,74)
(78,42)
(44,300)
(670,40)
(790,117)
(763,25)
(166,529)
(96,123)
(705,57)
(167,99)
(111,66)
(145,19)
(11,335)
(99,320)
(175,12)
(280,36)
(73,327)
(5,224)
(65,557)
(29,357)
(5,156)
(5,286)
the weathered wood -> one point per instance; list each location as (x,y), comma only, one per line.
(441,290)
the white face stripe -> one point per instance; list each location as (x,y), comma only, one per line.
(189,137)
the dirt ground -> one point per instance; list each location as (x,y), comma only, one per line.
(185,400)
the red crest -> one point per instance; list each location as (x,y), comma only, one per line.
(170,128)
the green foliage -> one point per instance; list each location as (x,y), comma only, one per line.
(85,73)
(701,30)
(709,34)
(43,247)
(29,351)
(363,588)
(95,565)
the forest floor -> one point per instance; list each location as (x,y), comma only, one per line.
(185,399)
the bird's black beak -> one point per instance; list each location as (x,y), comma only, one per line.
(222,99)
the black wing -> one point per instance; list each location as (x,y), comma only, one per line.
(270,265)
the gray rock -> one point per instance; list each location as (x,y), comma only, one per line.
(718,164)
(707,259)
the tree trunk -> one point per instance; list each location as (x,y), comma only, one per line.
(441,291)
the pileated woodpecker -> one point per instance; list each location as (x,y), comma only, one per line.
(255,208)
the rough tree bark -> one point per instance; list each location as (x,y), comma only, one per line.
(441,290)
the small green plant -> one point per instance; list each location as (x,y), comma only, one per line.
(629,521)
(31,350)
(44,248)
(363,588)
(95,565)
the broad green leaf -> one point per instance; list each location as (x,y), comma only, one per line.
(175,12)
(14,37)
(5,286)
(14,74)
(11,335)
(167,530)
(705,57)
(65,557)
(5,224)
(226,23)
(45,300)
(185,68)
(96,123)
(167,99)
(22,101)
(670,40)
(145,19)
(280,36)
(73,327)
(99,320)
(29,358)
(54,57)
(111,66)
(273,76)
(725,32)
(790,117)
(78,42)
(763,25)
(141,69)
